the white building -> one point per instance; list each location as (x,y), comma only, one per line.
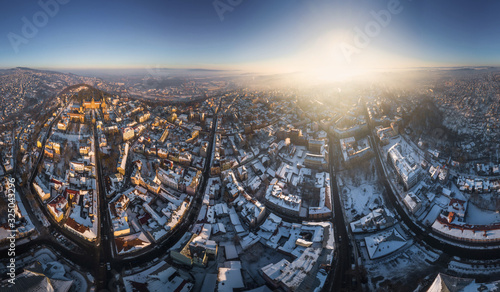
(285,203)
(407,172)
(412,202)
(169,178)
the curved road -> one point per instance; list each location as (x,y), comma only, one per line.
(96,257)
(425,235)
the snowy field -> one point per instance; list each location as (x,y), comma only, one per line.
(361,200)
(480,216)
(360,190)
(70,137)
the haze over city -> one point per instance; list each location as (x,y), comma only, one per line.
(234,145)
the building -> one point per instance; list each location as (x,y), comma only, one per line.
(446,283)
(287,204)
(412,202)
(193,185)
(169,178)
(77,166)
(457,209)
(164,136)
(316,161)
(289,276)
(324,208)
(111,129)
(130,243)
(408,172)
(161,277)
(94,105)
(57,207)
(251,210)
(77,117)
(230,278)
(55,146)
(103,141)
(466,232)
(377,219)
(384,243)
(358,130)
(385,134)
(315,146)
(354,151)
(63,124)
(122,161)
(144,117)
(40,277)
(128,133)
(242,173)
(88,233)
(41,189)
(197,250)
(84,149)
(49,152)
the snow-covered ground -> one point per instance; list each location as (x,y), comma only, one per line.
(479,216)
(70,137)
(360,191)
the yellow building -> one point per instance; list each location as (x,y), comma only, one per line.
(172,117)
(164,136)
(77,117)
(94,105)
(57,207)
(54,146)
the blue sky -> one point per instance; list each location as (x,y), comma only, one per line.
(255,34)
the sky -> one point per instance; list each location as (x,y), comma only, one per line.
(319,36)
